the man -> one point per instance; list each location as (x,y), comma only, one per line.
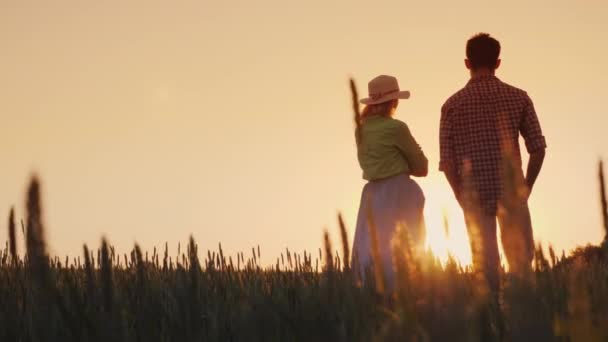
(480,156)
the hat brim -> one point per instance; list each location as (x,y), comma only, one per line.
(403,95)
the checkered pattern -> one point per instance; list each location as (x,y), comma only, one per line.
(476,123)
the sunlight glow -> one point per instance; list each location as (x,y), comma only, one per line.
(440,208)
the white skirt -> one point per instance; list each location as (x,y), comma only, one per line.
(394,200)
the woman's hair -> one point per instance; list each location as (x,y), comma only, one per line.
(382,109)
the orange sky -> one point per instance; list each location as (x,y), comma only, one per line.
(231,120)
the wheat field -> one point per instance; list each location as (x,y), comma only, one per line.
(104,296)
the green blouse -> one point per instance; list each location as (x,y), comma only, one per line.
(388,148)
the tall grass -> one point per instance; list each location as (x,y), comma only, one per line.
(184,298)
(603,201)
(12,236)
(356,111)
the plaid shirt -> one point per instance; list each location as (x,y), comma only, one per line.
(473,122)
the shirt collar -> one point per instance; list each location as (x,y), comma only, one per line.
(483,78)
(375,117)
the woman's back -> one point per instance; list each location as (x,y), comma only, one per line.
(387,148)
(388,155)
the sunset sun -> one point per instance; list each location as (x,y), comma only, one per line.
(446,232)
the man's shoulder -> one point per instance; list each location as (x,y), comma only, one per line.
(470,91)
(453,100)
(508,88)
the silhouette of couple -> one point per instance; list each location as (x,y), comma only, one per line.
(479,155)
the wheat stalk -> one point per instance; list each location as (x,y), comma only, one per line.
(356,110)
(603,200)
(12,239)
(345,243)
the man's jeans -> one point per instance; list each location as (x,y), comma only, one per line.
(515,234)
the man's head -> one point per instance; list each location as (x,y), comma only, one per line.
(483,52)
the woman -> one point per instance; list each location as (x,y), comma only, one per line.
(388,155)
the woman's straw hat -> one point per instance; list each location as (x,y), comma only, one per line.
(383,89)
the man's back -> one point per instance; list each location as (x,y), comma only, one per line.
(477,123)
(480,126)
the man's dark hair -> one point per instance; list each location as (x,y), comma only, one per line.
(483,51)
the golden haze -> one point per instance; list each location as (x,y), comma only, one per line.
(152,120)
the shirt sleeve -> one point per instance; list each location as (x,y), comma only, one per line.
(530,128)
(446,148)
(412,152)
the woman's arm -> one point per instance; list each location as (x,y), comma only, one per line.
(407,145)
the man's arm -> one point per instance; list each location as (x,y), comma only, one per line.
(535,142)
(534,165)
